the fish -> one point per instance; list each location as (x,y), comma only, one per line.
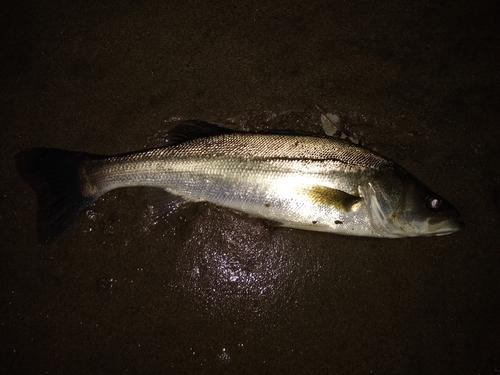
(300,181)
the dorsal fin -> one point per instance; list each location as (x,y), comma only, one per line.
(193,129)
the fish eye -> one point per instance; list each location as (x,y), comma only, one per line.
(434,203)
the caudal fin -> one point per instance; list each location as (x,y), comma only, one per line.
(54,176)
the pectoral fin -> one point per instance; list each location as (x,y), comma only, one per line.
(331,197)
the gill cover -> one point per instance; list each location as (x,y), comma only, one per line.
(401,206)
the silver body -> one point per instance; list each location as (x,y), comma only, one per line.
(305,182)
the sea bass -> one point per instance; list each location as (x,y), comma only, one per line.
(297,181)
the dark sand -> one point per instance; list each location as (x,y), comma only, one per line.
(212,291)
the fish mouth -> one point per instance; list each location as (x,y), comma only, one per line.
(445,227)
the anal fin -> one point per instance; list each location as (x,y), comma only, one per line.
(161,204)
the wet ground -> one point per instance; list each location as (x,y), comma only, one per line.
(212,291)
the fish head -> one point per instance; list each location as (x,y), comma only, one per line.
(401,206)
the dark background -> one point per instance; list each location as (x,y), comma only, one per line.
(208,290)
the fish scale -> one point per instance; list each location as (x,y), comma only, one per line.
(297,181)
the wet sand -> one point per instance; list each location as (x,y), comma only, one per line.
(208,290)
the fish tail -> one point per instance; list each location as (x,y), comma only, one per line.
(55,176)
